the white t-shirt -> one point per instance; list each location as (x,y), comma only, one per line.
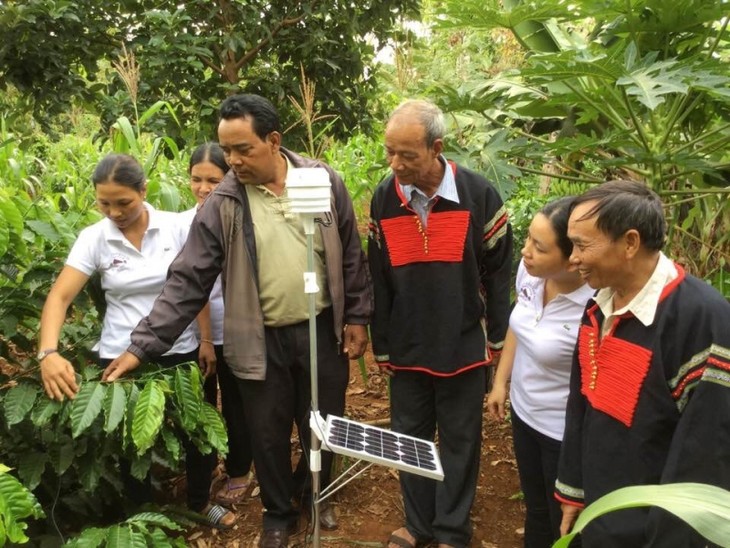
(131,279)
(216,294)
(546,339)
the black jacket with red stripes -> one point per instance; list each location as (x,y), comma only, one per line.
(649,405)
(438,288)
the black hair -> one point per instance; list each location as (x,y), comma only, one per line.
(121,169)
(623,205)
(558,213)
(263,115)
(208,152)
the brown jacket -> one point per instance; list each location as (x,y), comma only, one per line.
(221,240)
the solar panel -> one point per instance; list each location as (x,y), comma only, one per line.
(383,446)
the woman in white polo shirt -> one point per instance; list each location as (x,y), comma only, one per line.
(207,168)
(131,249)
(537,354)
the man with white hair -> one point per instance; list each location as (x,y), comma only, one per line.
(439,246)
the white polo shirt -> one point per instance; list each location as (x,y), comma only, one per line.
(546,339)
(216,294)
(131,279)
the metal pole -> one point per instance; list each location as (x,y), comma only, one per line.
(315,451)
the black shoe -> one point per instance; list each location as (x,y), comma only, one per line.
(274,538)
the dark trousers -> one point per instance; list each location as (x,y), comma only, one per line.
(198,467)
(240,455)
(421,403)
(273,405)
(537,462)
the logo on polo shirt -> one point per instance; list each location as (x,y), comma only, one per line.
(526,293)
(117,262)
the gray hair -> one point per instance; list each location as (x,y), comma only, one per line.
(426,114)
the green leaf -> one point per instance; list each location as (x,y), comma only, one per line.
(148,415)
(119,536)
(172,444)
(188,395)
(19,401)
(214,428)
(87,406)
(140,466)
(156,519)
(10,213)
(115,404)
(44,410)
(44,230)
(16,504)
(706,508)
(89,538)
(31,467)
(64,457)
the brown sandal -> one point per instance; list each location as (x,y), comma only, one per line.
(230,493)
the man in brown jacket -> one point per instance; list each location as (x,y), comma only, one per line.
(247,231)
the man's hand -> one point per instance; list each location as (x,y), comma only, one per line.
(121,365)
(59,377)
(207,359)
(496,401)
(570,514)
(356,341)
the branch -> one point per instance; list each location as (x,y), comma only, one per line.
(286,22)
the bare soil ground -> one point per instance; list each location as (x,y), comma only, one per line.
(369,508)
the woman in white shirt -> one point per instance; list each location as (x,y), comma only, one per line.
(131,249)
(537,355)
(207,168)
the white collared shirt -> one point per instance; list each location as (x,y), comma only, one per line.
(546,337)
(131,279)
(421,203)
(644,304)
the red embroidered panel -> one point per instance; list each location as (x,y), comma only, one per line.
(612,373)
(442,240)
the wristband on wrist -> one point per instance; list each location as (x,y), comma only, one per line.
(207,341)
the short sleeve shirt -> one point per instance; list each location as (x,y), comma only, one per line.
(131,279)
(546,339)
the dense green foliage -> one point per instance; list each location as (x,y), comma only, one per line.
(545,99)
(69,452)
(194,53)
(612,89)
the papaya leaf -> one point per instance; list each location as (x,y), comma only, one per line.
(214,428)
(188,395)
(87,406)
(148,415)
(115,404)
(44,411)
(19,401)
(31,467)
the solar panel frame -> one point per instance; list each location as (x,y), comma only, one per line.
(383,446)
